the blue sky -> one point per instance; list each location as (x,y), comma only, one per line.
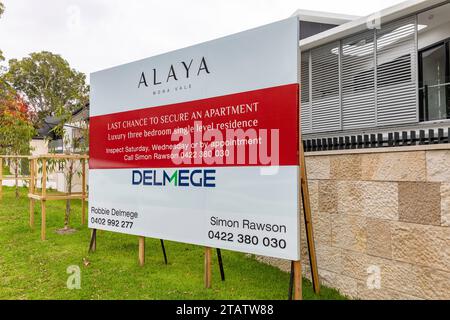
(96,34)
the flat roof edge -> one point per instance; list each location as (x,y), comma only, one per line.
(323,17)
(387,15)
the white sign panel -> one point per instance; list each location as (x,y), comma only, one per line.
(200,145)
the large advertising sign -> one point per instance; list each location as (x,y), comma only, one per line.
(200,145)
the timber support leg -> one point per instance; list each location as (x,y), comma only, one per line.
(141,251)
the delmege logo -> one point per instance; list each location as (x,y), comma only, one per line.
(179,178)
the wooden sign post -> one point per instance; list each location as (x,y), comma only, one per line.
(297,280)
(43,198)
(33,171)
(308,220)
(141,251)
(296,266)
(83,192)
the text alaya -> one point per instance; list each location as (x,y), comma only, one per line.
(183,69)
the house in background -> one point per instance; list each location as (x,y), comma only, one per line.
(47,141)
(376,75)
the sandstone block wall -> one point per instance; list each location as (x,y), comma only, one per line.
(381,211)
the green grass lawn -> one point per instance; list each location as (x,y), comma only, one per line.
(35,269)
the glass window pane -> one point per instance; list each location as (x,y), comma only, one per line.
(448,80)
(433,84)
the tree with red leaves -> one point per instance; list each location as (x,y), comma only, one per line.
(16,129)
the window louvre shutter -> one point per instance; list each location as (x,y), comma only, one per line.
(326,109)
(397,73)
(305,105)
(367,80)
(358,81)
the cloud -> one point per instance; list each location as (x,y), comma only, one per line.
(96,34)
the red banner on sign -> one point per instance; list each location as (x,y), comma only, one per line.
(255,128)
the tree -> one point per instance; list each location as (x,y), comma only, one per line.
(16,131)
(6,91)
(48,84)
(2,9)
(51,88)
(2,68)
(75,136)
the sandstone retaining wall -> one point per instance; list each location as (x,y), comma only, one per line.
(385,210)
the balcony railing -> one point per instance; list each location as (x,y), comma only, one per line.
(379,140)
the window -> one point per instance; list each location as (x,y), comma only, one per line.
(365,80)
(434,82)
